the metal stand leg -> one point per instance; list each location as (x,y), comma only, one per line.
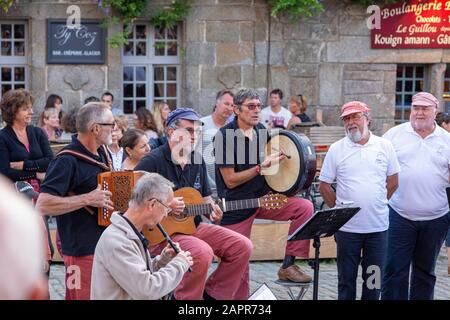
(303,287)
(315,265)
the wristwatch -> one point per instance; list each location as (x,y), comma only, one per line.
(258,169)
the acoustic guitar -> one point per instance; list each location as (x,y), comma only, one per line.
(184,222)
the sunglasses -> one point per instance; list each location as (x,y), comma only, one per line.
(252,106)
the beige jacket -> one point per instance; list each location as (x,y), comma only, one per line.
(120,272)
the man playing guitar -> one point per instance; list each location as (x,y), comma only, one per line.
(176,161)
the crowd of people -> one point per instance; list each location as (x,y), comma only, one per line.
(397,180)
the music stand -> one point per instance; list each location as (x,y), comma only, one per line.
(323,223)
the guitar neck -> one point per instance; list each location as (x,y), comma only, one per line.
(206,208)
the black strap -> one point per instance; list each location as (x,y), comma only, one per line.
(88,159)
(141,237)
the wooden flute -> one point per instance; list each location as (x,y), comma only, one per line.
(160,227)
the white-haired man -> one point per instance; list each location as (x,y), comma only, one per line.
(122,267)
(70,190)
(365,169)
(418,216)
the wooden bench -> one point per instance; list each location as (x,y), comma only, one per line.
(269,242)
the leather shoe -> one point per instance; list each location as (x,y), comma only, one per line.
(293,273)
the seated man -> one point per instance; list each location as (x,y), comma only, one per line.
(122,266)
(176,161)
(239,172)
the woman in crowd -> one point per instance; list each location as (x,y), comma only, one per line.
(53,101)
(297,106)
(68,124)
(135,144)
(443,119)
(144,121)
(51,124)
(117,154)
(24,149)
(160,112)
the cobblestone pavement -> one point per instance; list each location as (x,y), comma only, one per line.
(266,272)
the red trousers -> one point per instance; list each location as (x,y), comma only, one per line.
(297,211)
(78,277)
(234,251)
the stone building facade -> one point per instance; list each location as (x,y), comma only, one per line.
(232,44)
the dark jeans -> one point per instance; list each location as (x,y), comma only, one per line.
(447,239)
(367,249)
(415,243)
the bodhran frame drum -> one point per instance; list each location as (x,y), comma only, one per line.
(120,184)
(296,173)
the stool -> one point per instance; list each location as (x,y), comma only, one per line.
(290,285)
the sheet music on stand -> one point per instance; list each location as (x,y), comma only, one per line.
(263,293)
(324,223)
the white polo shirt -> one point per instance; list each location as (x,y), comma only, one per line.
(424,173)
(360,172)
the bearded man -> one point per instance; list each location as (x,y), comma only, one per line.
(365,169)
(418,216)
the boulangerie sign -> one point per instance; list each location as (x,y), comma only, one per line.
(413,25)
(85,44)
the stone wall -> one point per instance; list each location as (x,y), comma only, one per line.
(235,43)
(73,83)
(326,58)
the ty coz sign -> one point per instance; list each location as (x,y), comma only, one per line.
(84,44)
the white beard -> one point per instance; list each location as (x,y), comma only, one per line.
(358,135)
(422,125)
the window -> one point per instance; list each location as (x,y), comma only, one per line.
(165,84)
(446,93)
(151,69)
(13,55)
(410,80)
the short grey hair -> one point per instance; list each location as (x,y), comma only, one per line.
(151,185)
(244,94)
(89,114)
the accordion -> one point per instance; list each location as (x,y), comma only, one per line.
(120,184)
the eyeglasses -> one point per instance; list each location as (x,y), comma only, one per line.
(354,117)
(191,130)
(422,108)
(168,209)
(252,106)
(107,124)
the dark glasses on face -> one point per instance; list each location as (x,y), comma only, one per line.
(252,106)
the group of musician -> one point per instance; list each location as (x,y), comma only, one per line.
(397,180)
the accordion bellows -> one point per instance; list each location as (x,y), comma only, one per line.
(120,184)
